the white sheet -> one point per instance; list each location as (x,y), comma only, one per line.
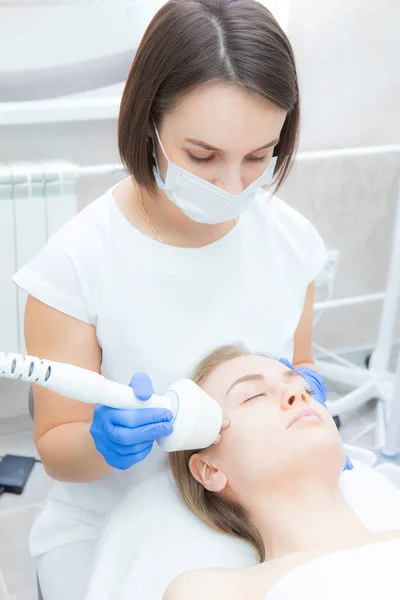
(368,572)
(152,537)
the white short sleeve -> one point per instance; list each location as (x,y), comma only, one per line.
(299,241)
(315,253)
(65,274)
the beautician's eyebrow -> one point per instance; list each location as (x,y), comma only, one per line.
(251,377)
(208,147)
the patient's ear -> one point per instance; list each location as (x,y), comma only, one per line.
(207,474)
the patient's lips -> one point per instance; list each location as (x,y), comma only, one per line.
(307,414)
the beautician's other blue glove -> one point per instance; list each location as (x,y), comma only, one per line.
(318,390)
(126,436)
(314,380)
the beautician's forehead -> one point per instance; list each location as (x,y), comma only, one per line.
(203,115)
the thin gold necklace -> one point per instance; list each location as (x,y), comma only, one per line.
(151,224)
(148,218)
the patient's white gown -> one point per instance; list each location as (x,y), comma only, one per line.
(369,572)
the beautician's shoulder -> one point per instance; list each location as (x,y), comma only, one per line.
(213,584)
(291,234)
(90,225)
(277,214)
(69,272)
(84,239)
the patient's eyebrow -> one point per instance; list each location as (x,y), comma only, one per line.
(289,374)
(244,378)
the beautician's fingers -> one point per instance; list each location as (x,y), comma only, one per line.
(225,423)
(124,462)
(120,450)
(129,436)
(142,386)
(124,417)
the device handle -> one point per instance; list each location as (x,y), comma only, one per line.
(75,383)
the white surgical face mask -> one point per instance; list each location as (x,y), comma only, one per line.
(203,201)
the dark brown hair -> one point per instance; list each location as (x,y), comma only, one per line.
(217,511)
(190,43)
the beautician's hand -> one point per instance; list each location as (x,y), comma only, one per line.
(125,437)
(314,380)
(318,390)
(225,424)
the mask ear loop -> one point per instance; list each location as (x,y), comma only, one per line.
(155,154)
(154,148)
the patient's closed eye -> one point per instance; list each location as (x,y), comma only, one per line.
(261,395)
(264,395)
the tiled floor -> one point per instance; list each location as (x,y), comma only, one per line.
(17,513)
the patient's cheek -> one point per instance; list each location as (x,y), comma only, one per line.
(230,437)
(243,437)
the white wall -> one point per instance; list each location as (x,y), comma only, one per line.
(348,53)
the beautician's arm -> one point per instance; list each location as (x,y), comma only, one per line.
(61,425)
(302,356)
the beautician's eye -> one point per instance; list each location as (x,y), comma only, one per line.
(198,160)
(209,159)
(256,159)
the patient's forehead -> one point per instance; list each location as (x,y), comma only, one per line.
(223,376)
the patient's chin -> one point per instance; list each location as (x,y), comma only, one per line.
(321,453)
(311,434)
(317,454)
(311,430)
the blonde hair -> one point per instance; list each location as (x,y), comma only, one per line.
(220,513)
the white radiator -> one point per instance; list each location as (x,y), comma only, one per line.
(35,201)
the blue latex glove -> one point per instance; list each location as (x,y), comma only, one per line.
(126,436)
(317,386)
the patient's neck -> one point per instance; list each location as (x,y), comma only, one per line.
(303,517)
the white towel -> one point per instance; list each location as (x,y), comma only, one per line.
(152,537)
(369,572)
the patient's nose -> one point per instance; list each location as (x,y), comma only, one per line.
(294,395)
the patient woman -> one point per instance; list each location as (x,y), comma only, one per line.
(272,479)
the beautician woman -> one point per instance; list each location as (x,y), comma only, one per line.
(191,251)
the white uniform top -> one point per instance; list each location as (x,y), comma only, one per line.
(159,309)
